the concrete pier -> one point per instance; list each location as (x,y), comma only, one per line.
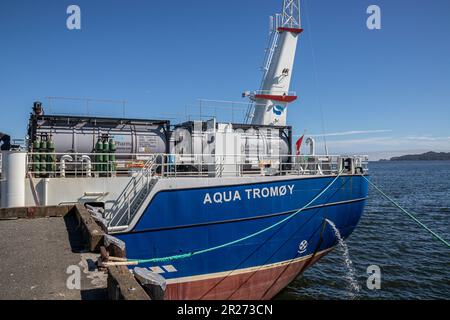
(51,253)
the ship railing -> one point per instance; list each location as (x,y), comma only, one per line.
(86,106)
(274,93)
(228,111)
(178,166)
(85,165)
(80,165)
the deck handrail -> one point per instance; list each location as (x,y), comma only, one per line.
(129,195)
(174,165)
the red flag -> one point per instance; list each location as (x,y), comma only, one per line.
(298,145)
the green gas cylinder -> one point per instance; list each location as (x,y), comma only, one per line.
(105,156)
(36,158)
(51,157)
(43,157)
(112,156)
(98,157)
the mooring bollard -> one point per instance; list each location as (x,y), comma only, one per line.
(153,283)
(115,246)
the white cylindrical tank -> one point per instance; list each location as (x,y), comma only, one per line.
(45,191)
(14,171)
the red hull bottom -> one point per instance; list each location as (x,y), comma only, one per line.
(260,283)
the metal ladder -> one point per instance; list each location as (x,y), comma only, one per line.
(270,52)
(133,195)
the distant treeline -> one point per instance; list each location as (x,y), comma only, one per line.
(428,156)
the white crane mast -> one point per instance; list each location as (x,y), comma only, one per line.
(269,105)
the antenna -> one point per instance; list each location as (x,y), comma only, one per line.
(291,14)
(271,25)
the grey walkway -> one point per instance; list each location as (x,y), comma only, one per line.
(35,255)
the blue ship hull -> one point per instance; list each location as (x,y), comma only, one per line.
(187,220)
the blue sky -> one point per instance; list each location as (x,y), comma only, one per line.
(383,92)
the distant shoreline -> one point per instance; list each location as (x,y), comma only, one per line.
(428,156)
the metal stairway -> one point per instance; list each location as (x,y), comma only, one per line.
(133,196)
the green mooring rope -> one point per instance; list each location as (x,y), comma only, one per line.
(409,214)
(190,254)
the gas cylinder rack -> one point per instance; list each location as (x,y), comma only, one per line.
(105,158)
(44,157)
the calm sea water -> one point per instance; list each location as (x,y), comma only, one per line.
(413,264)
